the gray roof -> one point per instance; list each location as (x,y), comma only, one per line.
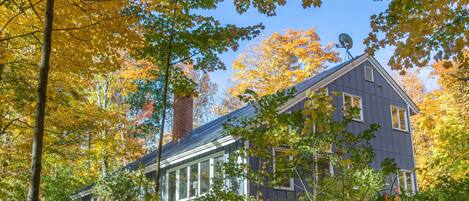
(211,131)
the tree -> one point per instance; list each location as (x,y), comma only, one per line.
(280,61)
(440,130)
(228,104)
(412,85)
(420,30)
(205,91)
(268,7)
(122,185)
(177,35)
(36,166)
(80,48)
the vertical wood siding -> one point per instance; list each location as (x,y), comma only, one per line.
(376,97)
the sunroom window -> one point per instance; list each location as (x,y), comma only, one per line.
(204,176)
(218,167)
(172,186)
(183,183)
(194,179)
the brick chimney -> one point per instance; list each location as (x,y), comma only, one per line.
(183,116)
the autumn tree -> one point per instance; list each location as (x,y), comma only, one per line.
(424,32)
(269,7)
(204,99)
(228,104)
(412,85)
(277,62)
(421,31)
(80,42)
(440,130)
(175,35)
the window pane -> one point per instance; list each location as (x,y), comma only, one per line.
(409,181)
(395,117)
(204,176)
(323,167)
(347,102)
(194,175)
(369,73)
(402,118)
(282,168)
(183,183)
(356,103)
(402,186)
(172,186)
(218,167)
(162,189)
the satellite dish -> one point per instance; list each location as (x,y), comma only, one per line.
(346,41)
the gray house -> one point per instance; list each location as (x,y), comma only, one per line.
(188,164)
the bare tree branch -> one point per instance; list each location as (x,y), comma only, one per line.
(19,13)
(35,12)
(62,29)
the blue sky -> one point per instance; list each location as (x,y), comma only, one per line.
(331,19)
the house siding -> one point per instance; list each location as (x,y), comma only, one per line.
(377,97)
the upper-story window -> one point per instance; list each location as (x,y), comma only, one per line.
(406,182)
(369,74)
(399,118)
(355,102)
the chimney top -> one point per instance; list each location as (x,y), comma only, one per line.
(183,116)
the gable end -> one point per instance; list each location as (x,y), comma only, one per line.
(344,70)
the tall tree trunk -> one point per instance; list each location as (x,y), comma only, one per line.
(163,118)
(35,179)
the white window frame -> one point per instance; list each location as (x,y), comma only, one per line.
(331,166)
(399,119)
(372,73)
(292,180)
(198,161)
(361,119)
(405,181)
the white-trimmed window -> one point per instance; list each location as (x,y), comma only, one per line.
(406,181)
(172,186)
(194,179)
(355,102)
(281,159)
(399,118)
(369,74)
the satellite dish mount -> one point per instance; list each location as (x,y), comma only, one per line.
(346,43)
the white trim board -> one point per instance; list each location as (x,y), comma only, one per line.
(224,141)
